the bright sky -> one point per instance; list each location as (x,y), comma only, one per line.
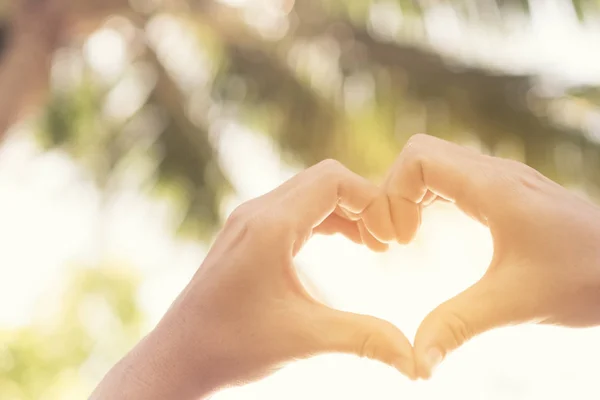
(552,44)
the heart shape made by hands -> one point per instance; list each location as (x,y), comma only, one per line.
(404,284)
(543,266)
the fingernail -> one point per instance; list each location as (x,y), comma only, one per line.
(433,358)
(406,367)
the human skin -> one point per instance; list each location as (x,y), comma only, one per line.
(546,263)
(244,314)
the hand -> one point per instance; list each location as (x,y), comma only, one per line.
(245,312)
(546,263)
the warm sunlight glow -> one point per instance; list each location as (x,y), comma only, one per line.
(402,285)
(134,129)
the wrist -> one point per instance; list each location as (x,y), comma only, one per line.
(181,352)
(169,363)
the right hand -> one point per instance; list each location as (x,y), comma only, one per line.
(546,262)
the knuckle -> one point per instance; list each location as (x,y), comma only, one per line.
(411,167)
(415,148)
(514,165)
(414,160)
(253,223)
(263,231)
(330,163)
(418,139)
(331,167)
(458,329)
(530,178)
(418,144)
(331,173)
(368,346)
(240,214)
(373,338)
(250,218)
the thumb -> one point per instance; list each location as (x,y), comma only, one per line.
(482,307)
(365,336)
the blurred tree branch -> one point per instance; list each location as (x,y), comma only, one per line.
(35,30)
(33,36)
(188,156)
(489,104)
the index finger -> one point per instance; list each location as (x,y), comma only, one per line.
(435,165)
(311,196)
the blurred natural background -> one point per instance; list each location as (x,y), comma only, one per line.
(130,128)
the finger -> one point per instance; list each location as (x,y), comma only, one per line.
(369,240)
(314,194)
(362,335)
(485,305)
(336,224)
(346,214)
(428,164)
(366,235)
(406,217)
(377,220)
(428,199)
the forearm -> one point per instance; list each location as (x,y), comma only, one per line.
(159,367)
(244,315)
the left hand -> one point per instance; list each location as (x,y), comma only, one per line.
(245,313)
(546,262)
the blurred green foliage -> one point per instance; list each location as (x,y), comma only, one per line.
(44,360)
(329,86)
